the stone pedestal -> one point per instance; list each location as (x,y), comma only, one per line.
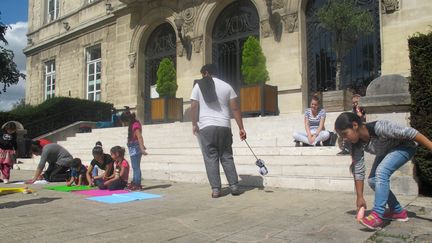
(388,98)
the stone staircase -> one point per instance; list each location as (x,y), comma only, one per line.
(174,154)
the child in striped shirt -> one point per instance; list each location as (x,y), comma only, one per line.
(393,145)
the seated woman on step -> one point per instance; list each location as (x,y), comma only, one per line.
(314,119)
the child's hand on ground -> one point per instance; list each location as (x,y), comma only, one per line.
(361,203)
(29,181)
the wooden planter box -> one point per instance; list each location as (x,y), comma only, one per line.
(259,99)
(166,110)
(338,100)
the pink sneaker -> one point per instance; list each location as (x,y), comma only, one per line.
(372,221)
(402,216)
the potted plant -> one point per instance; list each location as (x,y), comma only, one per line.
(166,108)
(348,22)
(256,97)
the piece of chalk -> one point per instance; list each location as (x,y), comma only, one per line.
(360,213)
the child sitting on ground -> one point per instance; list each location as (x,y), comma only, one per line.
(102,162)
(119,179)
(8,146)
(78,173)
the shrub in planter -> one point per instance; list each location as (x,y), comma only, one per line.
(166,84)
(167,108)
(257,97)
(420,53)
(253,66)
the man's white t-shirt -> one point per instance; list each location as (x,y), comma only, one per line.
(215,113)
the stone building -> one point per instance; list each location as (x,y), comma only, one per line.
(109,50)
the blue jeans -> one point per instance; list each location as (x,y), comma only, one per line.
(379,178)
(136,167)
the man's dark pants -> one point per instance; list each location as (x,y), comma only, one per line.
(216,145)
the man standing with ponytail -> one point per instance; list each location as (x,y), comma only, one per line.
(212,100)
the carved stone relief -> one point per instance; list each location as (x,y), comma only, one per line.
(291,22)
(188,15)
(180,49)
(132,59)
(278,4)
(265,28)
(389,6)
(197,43)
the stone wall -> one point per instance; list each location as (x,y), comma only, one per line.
(124,30)
(400,21)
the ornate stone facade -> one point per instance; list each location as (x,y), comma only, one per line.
(389,6)
(123,30)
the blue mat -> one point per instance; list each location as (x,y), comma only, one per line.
(124,197)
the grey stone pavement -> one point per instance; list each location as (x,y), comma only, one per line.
(187,213)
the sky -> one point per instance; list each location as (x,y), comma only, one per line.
(15,14)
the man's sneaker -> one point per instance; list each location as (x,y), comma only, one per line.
(5,181)
(235,191)
(402,216)
(216,193)
(372,221)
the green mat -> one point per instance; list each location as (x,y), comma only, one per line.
(64,188)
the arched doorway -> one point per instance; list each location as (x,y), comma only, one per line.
(360,66)
(161,44)
(233,26)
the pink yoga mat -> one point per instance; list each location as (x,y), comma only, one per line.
(99,192)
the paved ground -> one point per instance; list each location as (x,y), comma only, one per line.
(187,213)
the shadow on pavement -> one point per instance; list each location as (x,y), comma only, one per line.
(16,204)
(414,215)
(246,183)
(157,186)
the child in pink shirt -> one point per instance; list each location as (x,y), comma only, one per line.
(118,180)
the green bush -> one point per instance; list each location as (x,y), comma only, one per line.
(253,66)
(420,53)
(166,84)
(55,113)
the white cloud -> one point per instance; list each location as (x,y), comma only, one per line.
(16,37)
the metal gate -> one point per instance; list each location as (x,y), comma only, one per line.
(161,44)
(360,66)
(233,26)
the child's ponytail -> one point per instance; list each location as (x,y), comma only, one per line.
(128,117)
(97,150)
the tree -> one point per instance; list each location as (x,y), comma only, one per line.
(348,22)
(9,73)
(253,66)
(19,104)
(166,84)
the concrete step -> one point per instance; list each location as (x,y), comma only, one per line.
(324,183)
(174,154)
(241,149)
(271,160)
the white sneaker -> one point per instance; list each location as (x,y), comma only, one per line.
(5,181)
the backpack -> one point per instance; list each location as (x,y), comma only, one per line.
(332,139)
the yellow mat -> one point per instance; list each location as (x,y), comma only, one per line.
(4,191)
